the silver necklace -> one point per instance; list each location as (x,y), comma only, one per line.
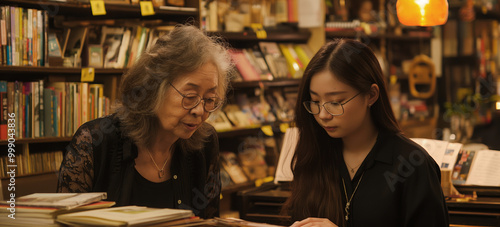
(348,203)
(161,171)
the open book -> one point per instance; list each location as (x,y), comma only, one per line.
(124,216)
(471,164)
(59,200)
(477,168)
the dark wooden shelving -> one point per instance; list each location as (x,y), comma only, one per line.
(84,10)
(460,60)
(297,36)
(239,132)
(363,36)
(238,187)
(266,83)
(38,140)
(37,70)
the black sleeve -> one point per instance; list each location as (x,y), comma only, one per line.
(76,171)
(423,199)
(213,182)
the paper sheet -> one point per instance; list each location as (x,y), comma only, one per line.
(283,171)
(484,170)
(435,148)
(450,156)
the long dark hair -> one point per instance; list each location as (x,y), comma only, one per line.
(316,185)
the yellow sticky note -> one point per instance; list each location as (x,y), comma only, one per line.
(284,127)
(147,8)
(88,74)
(267,129)
(97,7)
(259,30)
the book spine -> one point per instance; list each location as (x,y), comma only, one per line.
(4,111)
(36,104)
(8,33)
(42,108)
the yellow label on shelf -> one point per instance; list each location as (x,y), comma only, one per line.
(267,129)
(97,7)
(259,182)
(259,31)
(88,74)
(147,8)
(284,127)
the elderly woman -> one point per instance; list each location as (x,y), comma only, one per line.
(157,150)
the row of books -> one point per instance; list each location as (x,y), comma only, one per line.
(270,60)
(23,38)
(248,112)
(115,47)
(122,46)
(57,109)
(90,209)
(40,162)
(234,16)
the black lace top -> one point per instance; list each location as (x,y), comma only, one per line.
(100,159)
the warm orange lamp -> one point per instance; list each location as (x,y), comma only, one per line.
(422,12)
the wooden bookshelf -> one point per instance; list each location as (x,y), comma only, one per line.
(37,70)
(113,10)
(295,36)
(38,140)
(267,83)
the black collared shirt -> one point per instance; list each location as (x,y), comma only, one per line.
(400,186)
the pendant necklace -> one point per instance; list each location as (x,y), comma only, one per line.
(350,199)
(161,171)
(352,169)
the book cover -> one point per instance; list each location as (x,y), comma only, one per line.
(230,163)
(111,43)
(462,166)
(52,212)
(124,216)
(243,65)
(59,200)
(274,59)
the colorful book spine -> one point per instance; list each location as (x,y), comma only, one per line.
(4,111)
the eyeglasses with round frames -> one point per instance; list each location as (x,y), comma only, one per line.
(333,108)
(191,101)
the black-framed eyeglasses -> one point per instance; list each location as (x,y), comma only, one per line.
(333,108)
(191,100)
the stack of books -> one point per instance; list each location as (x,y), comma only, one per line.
(42,209)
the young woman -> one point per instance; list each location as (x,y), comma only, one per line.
(157,150)
(352,165)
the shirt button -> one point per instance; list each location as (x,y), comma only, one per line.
(179,201)
(175,177)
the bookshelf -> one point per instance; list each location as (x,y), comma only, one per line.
(61,16)
(470,67)
(255,91)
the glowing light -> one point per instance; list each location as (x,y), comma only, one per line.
(422,12)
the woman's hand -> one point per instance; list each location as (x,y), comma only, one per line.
(309,222)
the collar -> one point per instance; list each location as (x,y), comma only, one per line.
(381,151)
